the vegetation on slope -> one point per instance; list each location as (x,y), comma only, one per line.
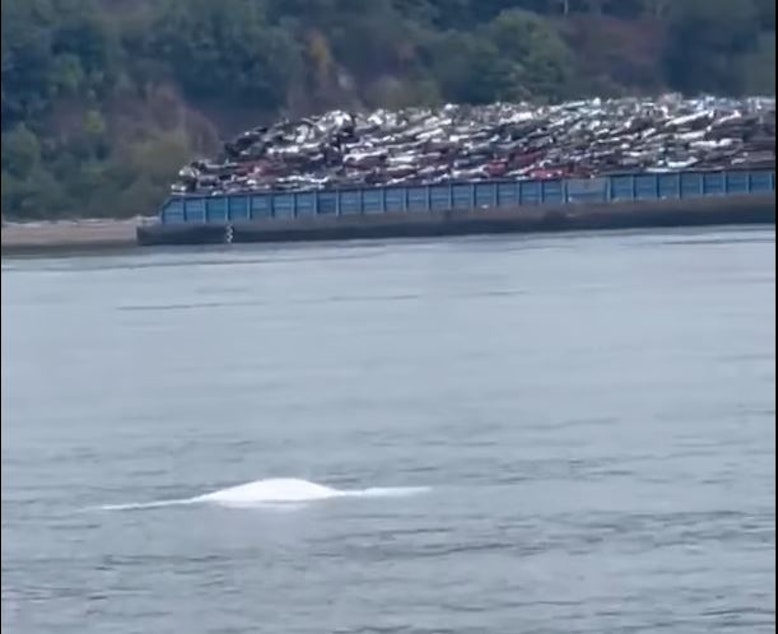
(102,101)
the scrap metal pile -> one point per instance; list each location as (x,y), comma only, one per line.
(468,143)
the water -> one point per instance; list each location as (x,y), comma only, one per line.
(539,434)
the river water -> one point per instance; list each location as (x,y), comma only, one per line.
(569,433)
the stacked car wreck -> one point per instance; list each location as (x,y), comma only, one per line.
(457,143)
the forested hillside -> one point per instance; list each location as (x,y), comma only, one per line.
(102,101)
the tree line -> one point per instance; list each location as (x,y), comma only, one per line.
(103,100)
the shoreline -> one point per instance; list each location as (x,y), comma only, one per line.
(65,236)
(103,236)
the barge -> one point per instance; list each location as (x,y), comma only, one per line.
(618,201)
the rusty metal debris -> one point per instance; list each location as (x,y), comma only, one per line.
(512,141)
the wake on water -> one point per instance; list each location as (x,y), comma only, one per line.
(272,492)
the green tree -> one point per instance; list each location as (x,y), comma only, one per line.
(542,64)
(708,41)
(226,50)
(21,152)
(469,69)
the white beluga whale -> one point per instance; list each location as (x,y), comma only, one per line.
(272,492)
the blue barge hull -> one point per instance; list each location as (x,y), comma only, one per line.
(613,202)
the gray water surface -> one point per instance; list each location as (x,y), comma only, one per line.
(593,416)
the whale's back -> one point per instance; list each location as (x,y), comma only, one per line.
(275,490)
(272,492)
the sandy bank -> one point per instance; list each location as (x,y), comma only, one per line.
(67,235)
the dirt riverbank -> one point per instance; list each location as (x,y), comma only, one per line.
(67,235)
